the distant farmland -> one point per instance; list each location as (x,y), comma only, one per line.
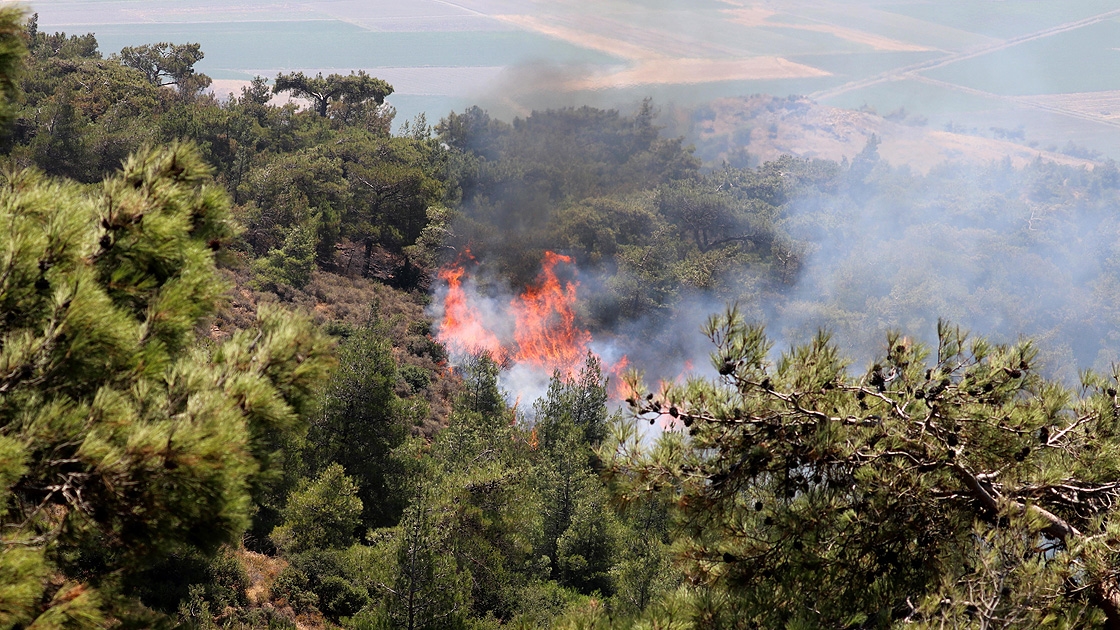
(955,62)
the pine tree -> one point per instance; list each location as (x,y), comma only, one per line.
(430,590)
(361,420)
(580,533)
(951,485)
(321,514)
(13,49)
(125,436)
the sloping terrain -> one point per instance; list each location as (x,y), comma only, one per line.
(766,127)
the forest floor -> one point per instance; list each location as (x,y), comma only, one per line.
(345,299)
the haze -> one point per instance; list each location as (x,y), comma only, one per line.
(1042,74)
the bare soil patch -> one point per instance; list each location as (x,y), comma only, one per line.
(262,571)
(653,65)
(602,43)
(768,127)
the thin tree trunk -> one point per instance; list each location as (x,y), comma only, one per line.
(1107,597)
(369,257)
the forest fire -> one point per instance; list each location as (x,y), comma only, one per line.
(535,333)
(544,316)
(622,389)
(461,328)
(545,334)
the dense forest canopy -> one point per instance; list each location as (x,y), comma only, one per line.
(224,401)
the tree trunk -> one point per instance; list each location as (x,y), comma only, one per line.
(369,257)
(1107,597)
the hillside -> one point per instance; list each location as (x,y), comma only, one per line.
(314,368)
(768,127)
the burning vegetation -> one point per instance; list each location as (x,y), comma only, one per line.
(545,337)
(461,329)
(954,481)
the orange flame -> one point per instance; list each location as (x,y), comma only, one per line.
(545,330)
(461,329)
(545,333)
(622,389)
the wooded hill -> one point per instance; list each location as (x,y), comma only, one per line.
(222,403)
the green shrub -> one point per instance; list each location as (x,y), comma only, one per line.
(339,598)
(294,586)
(417,377)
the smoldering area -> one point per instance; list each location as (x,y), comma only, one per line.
(1004,251)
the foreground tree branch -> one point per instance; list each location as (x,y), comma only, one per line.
(881,496)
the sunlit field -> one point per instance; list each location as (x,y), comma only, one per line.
(939,60)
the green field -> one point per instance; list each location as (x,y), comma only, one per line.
(249,46)
(916,97)
(242,38)
(1002,19)
(872,19)
(1085,60)
(853,66)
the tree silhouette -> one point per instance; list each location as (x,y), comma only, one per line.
(347,91)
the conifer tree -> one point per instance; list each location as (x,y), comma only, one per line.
(321,514)
(580,534)
(429,591)
(12,52)
(345,91)
(951,485)
(123,435)
(489,512)
(360,421)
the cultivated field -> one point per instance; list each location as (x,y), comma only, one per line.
(950,62)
